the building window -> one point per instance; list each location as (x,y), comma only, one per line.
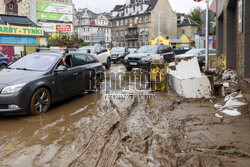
(11,6)
(146,19)
(183,31)
(141,7)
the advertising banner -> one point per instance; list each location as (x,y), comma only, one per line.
(54,8)
(17,30)
(56,27)
(55,17)
(18,40)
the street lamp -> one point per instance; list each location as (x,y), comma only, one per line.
(207,35)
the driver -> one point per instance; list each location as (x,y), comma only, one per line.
(63,62)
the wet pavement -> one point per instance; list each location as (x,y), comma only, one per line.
(154,132)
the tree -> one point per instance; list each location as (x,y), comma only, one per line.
(63,40)
(195,15)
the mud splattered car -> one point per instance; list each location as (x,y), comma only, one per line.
(35,81)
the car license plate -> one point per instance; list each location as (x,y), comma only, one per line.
(133,64)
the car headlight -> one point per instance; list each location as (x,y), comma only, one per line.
(13,88)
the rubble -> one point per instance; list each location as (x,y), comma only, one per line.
(187,80)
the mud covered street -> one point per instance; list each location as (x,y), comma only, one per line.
(163,131)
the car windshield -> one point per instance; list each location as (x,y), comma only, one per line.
(35,62)
(118,50)
(85,49)
(193,51)
(148,49)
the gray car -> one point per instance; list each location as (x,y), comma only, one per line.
(33,83)
(199,53)
(118,54)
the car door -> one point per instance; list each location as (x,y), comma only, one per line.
(103,55)
(81,62)
(66,82)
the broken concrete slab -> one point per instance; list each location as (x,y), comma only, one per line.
(187,79)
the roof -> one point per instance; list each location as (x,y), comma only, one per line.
(188,22)
(175,40)
(92,15)
(18,21)
(213,6)
(117,7)
(151,3)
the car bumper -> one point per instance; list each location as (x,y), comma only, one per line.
(115,59)
(14,104)
(136,64)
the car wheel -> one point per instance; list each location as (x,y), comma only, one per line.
(108,64)
(40,101)
(2,66)
(129,68)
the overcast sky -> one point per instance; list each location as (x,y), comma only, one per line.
(98,6)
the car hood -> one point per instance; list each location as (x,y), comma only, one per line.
(117,53)
(184,55)
(141,55)
(12,77)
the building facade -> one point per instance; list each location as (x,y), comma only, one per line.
(53,15)
(93,28)
(186,26)
(137,22)
(8,7)
(233,34)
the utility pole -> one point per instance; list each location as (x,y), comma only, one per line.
(207,36)
(207,33)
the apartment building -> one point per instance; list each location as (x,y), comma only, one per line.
(53,15)
(137,22)
(92,27)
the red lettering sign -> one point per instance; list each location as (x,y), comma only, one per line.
(63,28)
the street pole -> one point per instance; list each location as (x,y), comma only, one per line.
(207,36)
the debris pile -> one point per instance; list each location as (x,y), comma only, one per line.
(187,80)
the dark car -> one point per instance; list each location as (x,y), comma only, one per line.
(180,50)
(3,61)
(33,83)
(199,53)
(143,57)
(118,54)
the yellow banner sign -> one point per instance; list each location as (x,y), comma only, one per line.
(17,30)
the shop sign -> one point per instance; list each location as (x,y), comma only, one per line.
(18,40)
(55,17)
(17,30)
(56,27)
(54,8)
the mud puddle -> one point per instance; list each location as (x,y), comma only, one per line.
(160,131)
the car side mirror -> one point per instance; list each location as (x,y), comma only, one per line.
(88,51)
(61,69)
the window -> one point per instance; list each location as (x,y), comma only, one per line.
(146,19)
(11,6)
(80,60)
(91,59)
(141,7)
(183,31)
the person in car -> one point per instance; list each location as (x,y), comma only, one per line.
(63,62)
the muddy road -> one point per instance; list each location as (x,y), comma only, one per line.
(160,131)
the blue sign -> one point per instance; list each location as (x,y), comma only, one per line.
(211,42)
(18,40)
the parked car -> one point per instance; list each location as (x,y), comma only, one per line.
(181,50)
(3,61)
(31,84)
(118,54)
(132,50)
(100,53)
(199,53)
(143,57)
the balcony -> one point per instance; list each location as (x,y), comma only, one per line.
(132,25)
(132,37)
